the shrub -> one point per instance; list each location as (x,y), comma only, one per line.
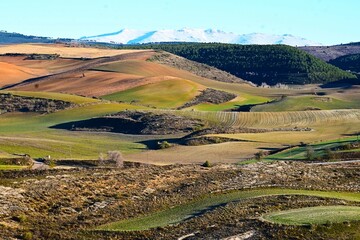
(347,146)
(117,157)
(27,236)
(310,153)
(259,155)
(329,154)
(20,218)
(206,164)
(164,144)
(101,159)
(52,163)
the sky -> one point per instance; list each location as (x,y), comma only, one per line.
(324,21)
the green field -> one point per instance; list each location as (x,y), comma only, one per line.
(245,99)
(275,119)
(11,167)
(166,94)
(180,213)
(55,96)
(29,133)
(301,103)
(315,215)
(298,153)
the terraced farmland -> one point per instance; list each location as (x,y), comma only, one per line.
(274,119)
(305,103)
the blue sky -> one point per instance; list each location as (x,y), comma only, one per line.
(324,21)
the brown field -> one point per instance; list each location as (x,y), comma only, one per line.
(63,51)
(145,68)
(105,79)
(94,83)
(230,152)
(10,73)
(51,66)
(113,77)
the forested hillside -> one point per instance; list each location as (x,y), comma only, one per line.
(258,63)
(348,62)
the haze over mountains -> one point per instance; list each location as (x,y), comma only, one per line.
(131,36)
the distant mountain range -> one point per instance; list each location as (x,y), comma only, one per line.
(130,36)
(12,38)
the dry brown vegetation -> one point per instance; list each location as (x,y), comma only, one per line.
(71,202)
(63,51)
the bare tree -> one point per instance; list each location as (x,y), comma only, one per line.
(101,159)
(117,157)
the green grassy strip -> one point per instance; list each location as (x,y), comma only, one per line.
(11,167)
(298,153)
(306,102)
(182,212)
(54,96)
(315,215)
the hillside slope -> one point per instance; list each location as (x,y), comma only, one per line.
(10,73)
(196,68)
(259,63)
(347,62)
(327,53)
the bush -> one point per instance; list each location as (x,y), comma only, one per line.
(259,155)
(20,218)
(28,236)
(117,157)
(310,153)
(347,146)
(206,164)
(164,144)
(101,159)
(329,154)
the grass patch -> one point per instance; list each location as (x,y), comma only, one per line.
(301,103)
(54,96)
(12,167)
(315,215)
(165,94)
(299,153)
(182,212)
(244,99)
(28,133)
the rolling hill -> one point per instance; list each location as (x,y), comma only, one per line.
(10,73)
(328,53)
(258,63)
(348,62)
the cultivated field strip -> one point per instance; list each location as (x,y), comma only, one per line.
(273,119)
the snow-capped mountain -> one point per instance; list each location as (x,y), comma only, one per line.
(129,36)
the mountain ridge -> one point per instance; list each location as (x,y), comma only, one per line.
(131,36)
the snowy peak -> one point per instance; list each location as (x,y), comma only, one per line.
(130,36)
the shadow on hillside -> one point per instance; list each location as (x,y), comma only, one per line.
(153,144)
(344,84)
